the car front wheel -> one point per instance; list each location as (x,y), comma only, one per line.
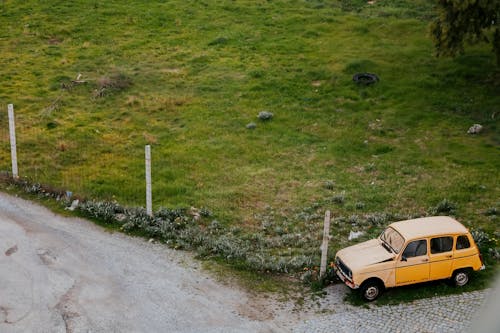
(370,290)
(460,278)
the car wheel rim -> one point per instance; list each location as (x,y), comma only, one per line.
(461,279)
(371,293)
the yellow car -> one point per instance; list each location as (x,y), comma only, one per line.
(407,252)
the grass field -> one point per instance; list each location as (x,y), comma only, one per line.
(188,76)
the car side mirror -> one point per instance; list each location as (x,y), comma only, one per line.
(403,258)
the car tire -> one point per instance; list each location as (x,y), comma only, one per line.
(460,278)
(371,290)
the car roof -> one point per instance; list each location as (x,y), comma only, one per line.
(429,226)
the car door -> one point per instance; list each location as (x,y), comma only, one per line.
(413,265)
(441,257)
(465,254)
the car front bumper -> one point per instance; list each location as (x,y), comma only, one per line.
(344,278)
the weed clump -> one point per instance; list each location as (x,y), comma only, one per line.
(481,238)
(103,210)
(114,83)
(339,198)
(444,207)
(492,211)
(329,184)
(360,205)
(218,41)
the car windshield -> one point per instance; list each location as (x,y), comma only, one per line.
(392,238)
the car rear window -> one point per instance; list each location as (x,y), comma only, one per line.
(462,242)
(441,244)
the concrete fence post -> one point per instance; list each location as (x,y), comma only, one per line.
(149,203)
(12,134)
(324,245)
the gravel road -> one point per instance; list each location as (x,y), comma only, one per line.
(62,274)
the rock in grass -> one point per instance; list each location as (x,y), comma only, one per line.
(355,234)
(251,126)
(265,115)
(475,129)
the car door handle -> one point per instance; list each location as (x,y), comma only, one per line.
(425,260)
(449,256)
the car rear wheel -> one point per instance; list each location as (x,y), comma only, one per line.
(371,290)
(460,277)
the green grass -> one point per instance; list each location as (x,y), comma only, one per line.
(200,71)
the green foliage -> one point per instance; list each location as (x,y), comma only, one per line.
(461,21)
(444,207)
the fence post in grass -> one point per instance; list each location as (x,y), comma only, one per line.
(12,133)
(149,204)
(324,245)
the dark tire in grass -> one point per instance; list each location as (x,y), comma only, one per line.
(365,78)
(371,289)
(460,277)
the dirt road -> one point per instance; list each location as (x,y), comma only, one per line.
(68,275)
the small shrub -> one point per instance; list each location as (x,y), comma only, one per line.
(117,82)
(215,226)
(107,85)
(329,185)
(205,212)
(492,211)
(377,219)
(52,124)
(360,205)
(339,198)
(494,254)
(444,207)
(354,220)
(218,41)
(482,239)
(279,230)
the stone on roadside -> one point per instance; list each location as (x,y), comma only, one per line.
(74,205)
(251,126)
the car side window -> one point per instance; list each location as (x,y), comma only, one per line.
(462,242)
(416,249)
(441,244)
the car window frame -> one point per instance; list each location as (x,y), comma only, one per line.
(390,245)
(441,236)
(403,257)
(463,248)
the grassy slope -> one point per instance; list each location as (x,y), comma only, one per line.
(202,70)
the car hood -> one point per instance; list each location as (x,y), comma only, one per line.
(364,254)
